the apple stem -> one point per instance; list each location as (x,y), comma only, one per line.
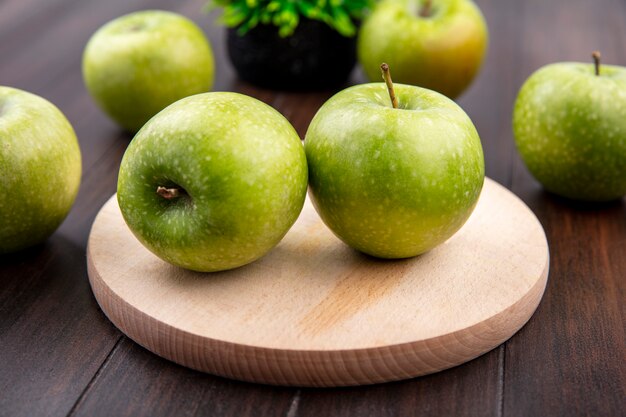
(168,193)
(596,59)
(426,9)
(387,77)
(135,28)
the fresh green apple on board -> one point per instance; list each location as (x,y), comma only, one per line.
(436,44)
(213,182)
(570,129)
(393,175)
(138,64)
(40,166)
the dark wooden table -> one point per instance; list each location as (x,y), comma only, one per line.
(60,356)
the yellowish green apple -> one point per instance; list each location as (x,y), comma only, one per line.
(436,44)
(213,182)
(393,178)
(570,129)
(138,64)
(40,167)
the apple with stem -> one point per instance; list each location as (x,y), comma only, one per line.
(394,171)
(569,124)
(40,166)
(213,182)
(436,44)
(138,64)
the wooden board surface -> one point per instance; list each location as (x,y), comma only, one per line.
(313,312)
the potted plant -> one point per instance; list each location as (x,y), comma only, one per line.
(290,44)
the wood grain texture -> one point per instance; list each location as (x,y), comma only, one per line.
(159,387)
(315,313)
(439,394)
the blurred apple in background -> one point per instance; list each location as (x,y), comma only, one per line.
(40,167)
(138,64)
(393,181)
(570,129)
(436,44)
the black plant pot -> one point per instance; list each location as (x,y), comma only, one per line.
(314,57)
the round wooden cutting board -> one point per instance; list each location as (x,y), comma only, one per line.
(313,312)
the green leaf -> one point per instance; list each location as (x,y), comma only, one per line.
(286,14)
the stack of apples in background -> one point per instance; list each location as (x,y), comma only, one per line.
(213,181)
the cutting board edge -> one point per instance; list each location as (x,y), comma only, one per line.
(361,366)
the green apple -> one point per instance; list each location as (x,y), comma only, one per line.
(40,166)
(138,64)
(570,129)
(393,182)
(213,182)
(438,44)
